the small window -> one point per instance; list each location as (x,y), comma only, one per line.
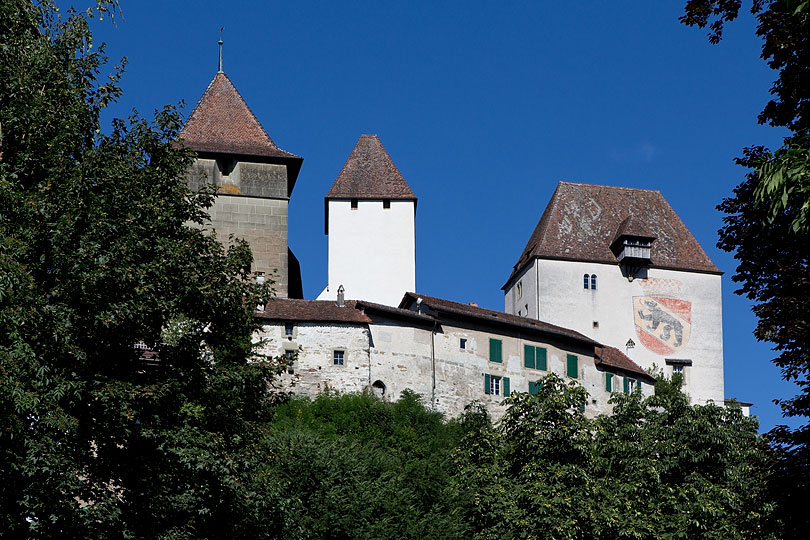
(596,324)
(338,358)
(520,314)
(496,386)
(519,290)
(495,347)
(379,388)
(387,204)
(288,329)
(593,281)
(586,281)
(526,309)
(572,367)
(462,343)
(677,368)
(354,204)
(630,385)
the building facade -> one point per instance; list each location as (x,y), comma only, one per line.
(619,266)
(451,354)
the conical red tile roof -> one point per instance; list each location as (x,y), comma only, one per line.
(223,123)
(369,173)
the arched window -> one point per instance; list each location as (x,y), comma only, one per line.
(585,281)
(593,281)
(379,388)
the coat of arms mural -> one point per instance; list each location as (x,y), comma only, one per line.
(663,324)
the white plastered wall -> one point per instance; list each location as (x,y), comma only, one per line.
(372,250)
(610,315)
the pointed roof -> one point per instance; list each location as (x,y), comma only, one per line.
(582,220)
(369,173)
(222,122)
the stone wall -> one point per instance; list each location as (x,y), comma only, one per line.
(390,356)
(252,205)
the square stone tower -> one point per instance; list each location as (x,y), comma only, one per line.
(253,176)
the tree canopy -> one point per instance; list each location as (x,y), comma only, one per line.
(129,395)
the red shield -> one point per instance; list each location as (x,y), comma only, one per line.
(663,324)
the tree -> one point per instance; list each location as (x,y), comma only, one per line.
(97,262)
(656,467)
(767,222)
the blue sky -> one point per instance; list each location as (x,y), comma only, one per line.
(484,109)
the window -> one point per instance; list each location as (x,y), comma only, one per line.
(338,358)
(534,357)
(535,387)
(593,281)
(608,382)
(495,350)
(572,366)
(677,368)
(354,204)
(519,290)
(526,309)
(387,204)
(586,280)
(496,386)
(462,343)
(288,329)
(631,385)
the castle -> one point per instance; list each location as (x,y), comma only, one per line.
(610,285)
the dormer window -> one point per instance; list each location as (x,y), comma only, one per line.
(632,246)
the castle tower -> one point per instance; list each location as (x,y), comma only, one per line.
(254,177)
(619,266)
(370,213)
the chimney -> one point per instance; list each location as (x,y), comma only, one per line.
(340,297)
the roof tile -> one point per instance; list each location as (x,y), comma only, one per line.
(222,122)
(289,309)
(582,220)
(370,173)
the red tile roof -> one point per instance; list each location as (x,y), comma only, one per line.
(369,173)
(294,310)
(582,220)
(614,358)
(223,123)
(488,316)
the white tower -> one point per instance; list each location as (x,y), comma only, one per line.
(370,213)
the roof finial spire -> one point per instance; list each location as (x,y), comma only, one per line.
(220,50)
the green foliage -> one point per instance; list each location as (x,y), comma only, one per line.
(655,468)
(354,466)
(96,256)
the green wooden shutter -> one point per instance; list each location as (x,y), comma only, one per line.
(532,388)
(486,383)
(494,350)
(626,385)
(609,382)
(540,361)
(506,387)
(528,356)
(638,387)
(573,369)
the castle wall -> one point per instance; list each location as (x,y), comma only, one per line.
(252,205)
(403,356)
